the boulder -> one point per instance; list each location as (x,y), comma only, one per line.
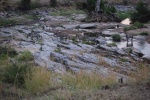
(88,26)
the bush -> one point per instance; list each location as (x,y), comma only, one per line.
(116,37)
(89,6)
(53,3)
(7,22)
(123,15)
(8,51)
(142,13)
(144,33)
(25,56)
(136,25)
(15,74)
(25,5)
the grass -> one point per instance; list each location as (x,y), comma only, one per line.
(123,15)
(86,81)
(144,33)
(25,56)
(58,50)
(88,42)
(136,25)
(7,22)
(102,62)
(112,44)
(142,74)
(38,80)
(66,12)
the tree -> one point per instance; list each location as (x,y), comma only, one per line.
(97,5)
(25,4)
(142,13)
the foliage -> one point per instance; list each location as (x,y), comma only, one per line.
(15,74)
(7,22)
(116,37)
(144,33)
(25,56)
(142,13)
(53,3)
(25,5)
(66,12)
(90,6)
(8,51)
(136,25)
(123,15)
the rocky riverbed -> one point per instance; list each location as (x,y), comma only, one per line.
(63,43)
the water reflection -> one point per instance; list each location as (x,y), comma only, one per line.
(140,44)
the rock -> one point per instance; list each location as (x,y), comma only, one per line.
(101,40)
(113,49)
(137,52)
(70,26)
(108,33)
(146,59)
(59,58)
(78,17)
(88,26)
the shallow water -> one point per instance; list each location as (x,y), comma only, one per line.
(140,44)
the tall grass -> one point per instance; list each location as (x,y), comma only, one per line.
(38,80)
(142,74)
(83,80)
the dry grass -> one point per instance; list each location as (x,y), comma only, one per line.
(102,62)
(141,75)
(38,80)
(83,80)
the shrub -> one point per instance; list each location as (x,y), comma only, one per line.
(15,74)
(136,25)
(25,56)
(89,6)
(123,15)
(25,5)
(144,33)
(8,51)
(53,3)
(116,37)
(7,22)
(142,13)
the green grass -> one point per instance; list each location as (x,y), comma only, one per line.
(136,25)
(111,44)
(66,12)
(25,56)
(123,15)
(7,22)
(144,33)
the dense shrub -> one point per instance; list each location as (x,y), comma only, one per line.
(89,6)
(15,74)
(25,5)
(136,25)
(142,13)
(53,3)
(25,56)
(116,37)
(8,51)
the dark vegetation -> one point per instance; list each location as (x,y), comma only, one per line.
(142,13)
